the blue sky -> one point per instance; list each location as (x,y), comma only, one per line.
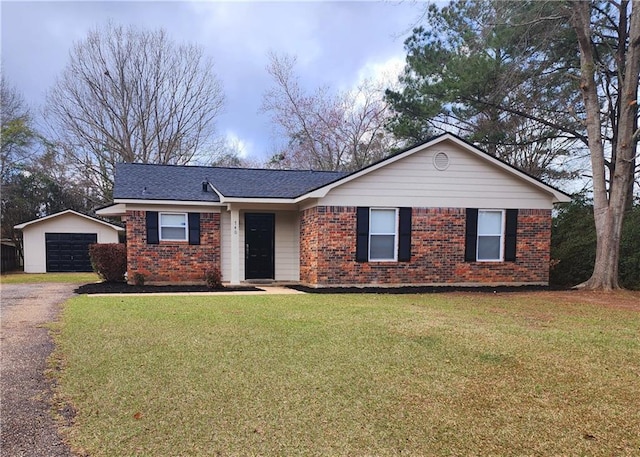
(337,44)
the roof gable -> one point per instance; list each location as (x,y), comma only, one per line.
(482,156)
(64,213)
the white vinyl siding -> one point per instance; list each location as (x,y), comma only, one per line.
(173,226)
(287,249)
(287,245)
(468,182)
(490,245)
(35,258)
(383,234)
(225,245)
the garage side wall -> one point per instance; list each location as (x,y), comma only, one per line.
(35,255)
(172,261)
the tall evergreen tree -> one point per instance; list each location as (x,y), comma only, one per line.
(568,69)
(497,73)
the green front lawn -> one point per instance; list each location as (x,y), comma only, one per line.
(28,278)
(353,375)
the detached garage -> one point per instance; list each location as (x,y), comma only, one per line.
(60,242)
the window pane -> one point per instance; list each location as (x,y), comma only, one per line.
(381,247)
(173,219)
(173,233)
(489,222)
(489,248)
(382,221)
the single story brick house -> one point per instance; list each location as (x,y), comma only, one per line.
(440,213)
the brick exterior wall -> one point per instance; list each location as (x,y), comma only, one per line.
(172,261)
(328,243)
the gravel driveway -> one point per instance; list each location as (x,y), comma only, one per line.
(27,426)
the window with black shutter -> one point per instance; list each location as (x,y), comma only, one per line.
(491,235)
(383,234)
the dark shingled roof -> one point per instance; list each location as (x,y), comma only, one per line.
(184,183)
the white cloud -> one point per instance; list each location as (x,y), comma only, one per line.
(382,72)
(243,147)
(337,44)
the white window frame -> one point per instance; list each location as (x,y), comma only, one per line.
(501,234)
(185,226)
(395,235)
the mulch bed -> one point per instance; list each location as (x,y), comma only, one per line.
(421,289)
(124,288)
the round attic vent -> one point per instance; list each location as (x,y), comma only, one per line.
(441,161)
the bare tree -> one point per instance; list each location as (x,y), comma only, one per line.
(325,130)
(133,95)
(17,138)
(608,36)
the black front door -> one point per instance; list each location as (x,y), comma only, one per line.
(259,243)
(69,251)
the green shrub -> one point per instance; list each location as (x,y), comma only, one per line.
(109,261)
(138,279)
(630,250)
(573,245)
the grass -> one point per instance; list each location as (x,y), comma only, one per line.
(443,374)
(29,278)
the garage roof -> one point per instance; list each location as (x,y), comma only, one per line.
(69,211)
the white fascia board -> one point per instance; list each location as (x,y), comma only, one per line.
(218,193)
(61,213)
(558,196)
(118,209)
(286,201)
(245,202)
(126,201)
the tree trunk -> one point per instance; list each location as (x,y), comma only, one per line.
(608,233)
(609,203)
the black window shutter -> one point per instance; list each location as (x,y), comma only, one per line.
(404,243)
(362,232)
(511,231)
(471,238)
(152,227)
(194,228)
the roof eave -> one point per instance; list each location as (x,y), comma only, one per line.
(141,201)
(218,193)
(117,209)
(68,211)
(263,200)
